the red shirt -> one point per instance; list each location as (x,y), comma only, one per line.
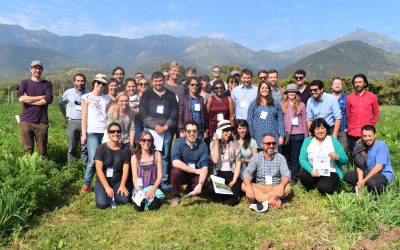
(361,110)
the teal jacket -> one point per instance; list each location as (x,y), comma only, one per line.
(342,156)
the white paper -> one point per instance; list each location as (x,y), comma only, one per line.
(219,185)
(160,109)
(138,197)
(268,179)
(295,121)
(264,115)
(139,182)
(197,107)
(158,139)
(220,116)
(191,165)
(109,172)
(17,118)
(322,164)
(243,104)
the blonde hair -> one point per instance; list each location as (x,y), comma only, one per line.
(296,104)
(174,64)
(113,111)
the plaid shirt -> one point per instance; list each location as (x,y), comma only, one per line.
(259,167)
(342,104)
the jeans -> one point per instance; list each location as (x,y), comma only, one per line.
(74,140)
(292,153)
(92,141)
(102,199)
(165,155)
(32,131)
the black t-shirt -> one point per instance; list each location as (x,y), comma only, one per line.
(112,159)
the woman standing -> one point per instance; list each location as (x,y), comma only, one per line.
(205,87)
(112,89)
(233,82)
(265,116)
(112,168)
(94,117)
(219,107)
(134,100)
(294,117)
(248,146)
(225,154)
(192,108)
(147,172)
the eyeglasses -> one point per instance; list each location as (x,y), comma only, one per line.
(146,140)
(117,132)
(299,77)
(166,76)
(227,130)
(143,84)
(272,143)
(314,90)
(191,131)
(232,81)
(194,85)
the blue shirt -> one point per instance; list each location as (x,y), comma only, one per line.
(379,154)
(196,115)
(242,96)
(327,107)
(342,105)
(72,99)
(197,155)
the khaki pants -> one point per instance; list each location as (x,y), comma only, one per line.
(263,192)
(31,131)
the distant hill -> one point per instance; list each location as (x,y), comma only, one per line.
(346,59)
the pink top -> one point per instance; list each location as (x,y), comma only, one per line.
(301,128)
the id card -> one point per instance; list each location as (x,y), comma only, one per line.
(191,165)
(197,107)
(160,109)
(295,121)
(264,115)
(109,172)
(268,179)
(243,104)
(220,116)
(139,182)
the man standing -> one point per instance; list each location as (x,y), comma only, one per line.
(173,83)
(271,174)
(190,162)
(362,108)
(70,107)
(159,112)
(272,79)
(300,77)
(216,72)
(323,105)
(118,74)
(35,94)
(244,94)
(337,86)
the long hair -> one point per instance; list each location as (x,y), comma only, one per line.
(270,99)
(114,110)
(138,149)
(296,104)
(247,137)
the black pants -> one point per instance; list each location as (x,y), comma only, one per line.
(231,200)
(352,142)
(325,184)
(377,183)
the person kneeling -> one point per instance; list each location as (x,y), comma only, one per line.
(372,163)
(147,174)
(272,176)
(112,167)
(225,154)
(190,162)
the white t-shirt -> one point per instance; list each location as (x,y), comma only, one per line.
(326,147)
(96,113)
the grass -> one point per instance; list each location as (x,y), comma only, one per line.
(307,220)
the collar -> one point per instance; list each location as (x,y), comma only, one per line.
(247,87)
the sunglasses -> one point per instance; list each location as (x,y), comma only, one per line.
(227,130)
(269,143)
(114,132)
(232,81)
(191,131)
(166,75)
(314,90)
(146,140)
(299,77)
(218,88)
(143,84)
(194,85)
(216,71)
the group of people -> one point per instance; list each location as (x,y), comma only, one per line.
(259,139)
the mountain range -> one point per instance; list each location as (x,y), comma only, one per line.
(373,54)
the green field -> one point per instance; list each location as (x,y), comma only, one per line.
(308,220)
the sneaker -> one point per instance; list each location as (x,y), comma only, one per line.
(260,207)
(275,203)
(85,189)
(165,186)
(175,202)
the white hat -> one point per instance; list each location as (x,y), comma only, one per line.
(100,78)
(223,124)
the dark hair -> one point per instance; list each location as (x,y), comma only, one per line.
(317,83)
(189,79)
(205,78)
(369,128)
(191,69)
(219,81)
(118,68)
(360,76)
(130,79)
(112,125)
(300,72)
(138,148)
(336,78)
(112,80)
(272,71)
(191,122)
(234,78)
(318,123)
(247,72)
(81,75)
(187,83)
(216,66)
(262,71)
(156,74)
(270,99)
(247,137)
(139,73)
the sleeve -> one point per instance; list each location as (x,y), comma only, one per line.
(348,107)
(250,115)
(144,111)
(309,111)
(100,153)
(181,112)
(375,110)
(176,151)
(303,117)
(342,156)
(22,88)
(173,116)
(204,157)
(337,113)
(49,93)
(127,155)
(303,158)
(253,144)
(281,126)
(249,171)
(63,99)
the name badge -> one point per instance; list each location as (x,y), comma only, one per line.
(243,104)
(268,179)
(160,109)
(197,107)
(263,114)
(220,116)
(295,121)
(191,165)
(139,182)
(109,172)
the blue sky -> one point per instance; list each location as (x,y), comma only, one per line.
(256,24)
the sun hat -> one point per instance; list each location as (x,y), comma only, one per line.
(223,124)
(292,87)
(100,78)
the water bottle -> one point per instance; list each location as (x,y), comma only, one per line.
(113,204)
